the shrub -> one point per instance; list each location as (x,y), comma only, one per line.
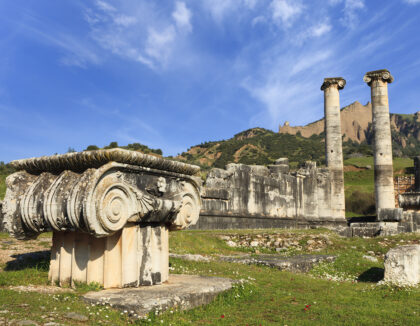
(361,203)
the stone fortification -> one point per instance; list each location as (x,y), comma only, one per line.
(244,196)
(110,212)
(355,119)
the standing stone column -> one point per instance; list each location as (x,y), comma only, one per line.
(382,147)
(333,143)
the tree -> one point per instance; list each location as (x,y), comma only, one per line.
(92,148)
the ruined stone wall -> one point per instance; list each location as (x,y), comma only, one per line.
(1,216)
(403,184)
(252,196)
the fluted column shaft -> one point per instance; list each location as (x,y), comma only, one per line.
(382,146)
(333,143)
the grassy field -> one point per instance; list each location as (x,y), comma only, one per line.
(341,293)
(362,178)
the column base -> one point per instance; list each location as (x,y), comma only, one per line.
(389,214)
(135,256)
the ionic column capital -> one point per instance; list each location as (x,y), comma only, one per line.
(328,82)
(382,74)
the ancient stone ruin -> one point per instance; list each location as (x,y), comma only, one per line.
(110,212)
(243,196)
(127,200)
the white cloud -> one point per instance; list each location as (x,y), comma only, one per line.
(412,2)
(351,7)
(105,6)
(138,31)
(124,20)
(220,9)
(285,11)
(159,44)
(313,31)
(309,61)
(182,16)
(320,29)
(258,20)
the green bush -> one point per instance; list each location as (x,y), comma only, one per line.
(361,203)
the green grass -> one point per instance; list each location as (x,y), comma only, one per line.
(363,180)
(400,164)
(266,297)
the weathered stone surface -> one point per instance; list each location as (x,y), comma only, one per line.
(190,257)
(333,143)
(373,229)
(301,263)
(382,150)
(390,214)
(181,292)
(110,212)
(402,265)
(99,201)
(245,196)
(76,316)
(1,216)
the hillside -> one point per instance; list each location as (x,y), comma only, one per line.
(301,143)
(262,146)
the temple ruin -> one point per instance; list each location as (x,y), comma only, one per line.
(111,210)
(243,196)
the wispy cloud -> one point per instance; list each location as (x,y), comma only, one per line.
(351,8)
(412,2)
(182,16)
(139,32)
(285,12)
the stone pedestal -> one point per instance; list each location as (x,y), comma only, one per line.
(382,148)
(402,265)
(333,143)
(131,257)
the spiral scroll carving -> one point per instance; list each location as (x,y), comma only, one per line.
(190,208)
(100,201)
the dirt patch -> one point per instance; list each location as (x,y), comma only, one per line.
(40,289)
(11,248)
(352,168)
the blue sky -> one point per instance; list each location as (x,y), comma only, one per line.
(173,74)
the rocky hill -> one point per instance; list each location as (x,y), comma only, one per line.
(356,120)
(262,146)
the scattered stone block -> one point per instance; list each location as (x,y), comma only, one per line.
(181,292)
(76,316)
(301,263)
(402,265)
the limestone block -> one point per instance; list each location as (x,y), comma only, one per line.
(402,265)
(390,214)
(131,257)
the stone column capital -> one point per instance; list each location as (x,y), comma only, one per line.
(328,82)
(382,74)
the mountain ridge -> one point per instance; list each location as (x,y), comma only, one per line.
(301,143)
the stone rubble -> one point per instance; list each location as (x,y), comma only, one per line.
(278,242)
